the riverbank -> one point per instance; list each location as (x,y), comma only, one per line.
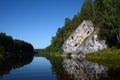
(111,53)
(109,57)
(45,54)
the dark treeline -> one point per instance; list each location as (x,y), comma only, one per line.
(10,47)
(105,15)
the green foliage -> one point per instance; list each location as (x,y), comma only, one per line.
(10,47)
(5,42)
(111,20)
(22,46)
(109,57)
(111,53)
(87,11)
(107,17)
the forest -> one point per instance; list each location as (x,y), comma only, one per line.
(14,48)
(105,14)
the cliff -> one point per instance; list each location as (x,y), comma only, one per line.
(83,40)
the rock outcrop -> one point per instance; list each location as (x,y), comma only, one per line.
(83,40)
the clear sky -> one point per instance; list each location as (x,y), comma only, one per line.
(36,21)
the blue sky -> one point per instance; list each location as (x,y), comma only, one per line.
(36,21)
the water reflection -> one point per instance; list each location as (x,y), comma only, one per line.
(84,70)
(55,68)
(12,63)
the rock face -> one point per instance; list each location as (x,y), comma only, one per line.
(83,40)
(93,44)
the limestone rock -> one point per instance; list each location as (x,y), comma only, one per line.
(93,44)
(83,40)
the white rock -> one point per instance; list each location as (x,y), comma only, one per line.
(83,41)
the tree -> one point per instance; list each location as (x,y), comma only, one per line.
(10,46)
(111,21)
(87,11)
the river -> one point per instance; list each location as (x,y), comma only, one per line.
(55,68)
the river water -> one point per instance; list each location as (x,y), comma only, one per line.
(55,68)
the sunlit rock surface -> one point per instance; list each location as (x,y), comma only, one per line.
(84,70)
(83,40)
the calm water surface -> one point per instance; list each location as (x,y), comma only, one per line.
(38,69)
(51,68)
